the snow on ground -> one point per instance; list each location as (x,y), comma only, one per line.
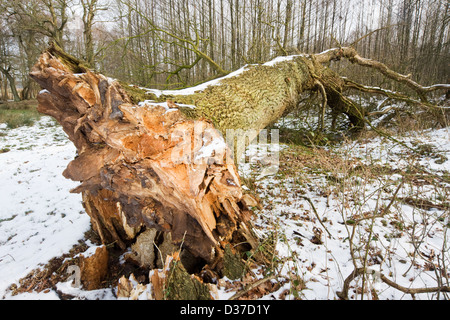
(39,218)
(326,210)
(346,211)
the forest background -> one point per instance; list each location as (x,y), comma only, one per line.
(169,44)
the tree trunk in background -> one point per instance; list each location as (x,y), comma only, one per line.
(12,83)
(89,11)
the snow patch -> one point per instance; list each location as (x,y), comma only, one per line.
(39,217)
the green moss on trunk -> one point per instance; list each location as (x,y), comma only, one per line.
(233,266)
(182,286)
(257,97)
(75,65)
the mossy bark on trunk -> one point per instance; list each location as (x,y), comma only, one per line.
(260,95)
(180,285)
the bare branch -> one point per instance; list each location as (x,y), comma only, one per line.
(372,32)
(352,55)
(360,271)
(185,42)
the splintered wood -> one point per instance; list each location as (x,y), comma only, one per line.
(144,166)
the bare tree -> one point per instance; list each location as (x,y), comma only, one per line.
(47,17)
(7,61)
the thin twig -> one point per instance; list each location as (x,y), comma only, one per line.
(317,215)
(1,258)
(372,32)
(324,103)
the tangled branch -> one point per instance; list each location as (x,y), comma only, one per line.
(352,55)
(412,291)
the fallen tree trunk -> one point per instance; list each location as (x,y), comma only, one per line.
(166,166)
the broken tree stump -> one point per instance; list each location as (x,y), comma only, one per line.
(145,167)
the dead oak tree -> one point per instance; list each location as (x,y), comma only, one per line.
(165,166)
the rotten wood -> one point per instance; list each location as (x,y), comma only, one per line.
(144,167)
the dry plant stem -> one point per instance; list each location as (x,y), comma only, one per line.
(413,290)
(378,213)
(317,215)
(368,244)
(385,210)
